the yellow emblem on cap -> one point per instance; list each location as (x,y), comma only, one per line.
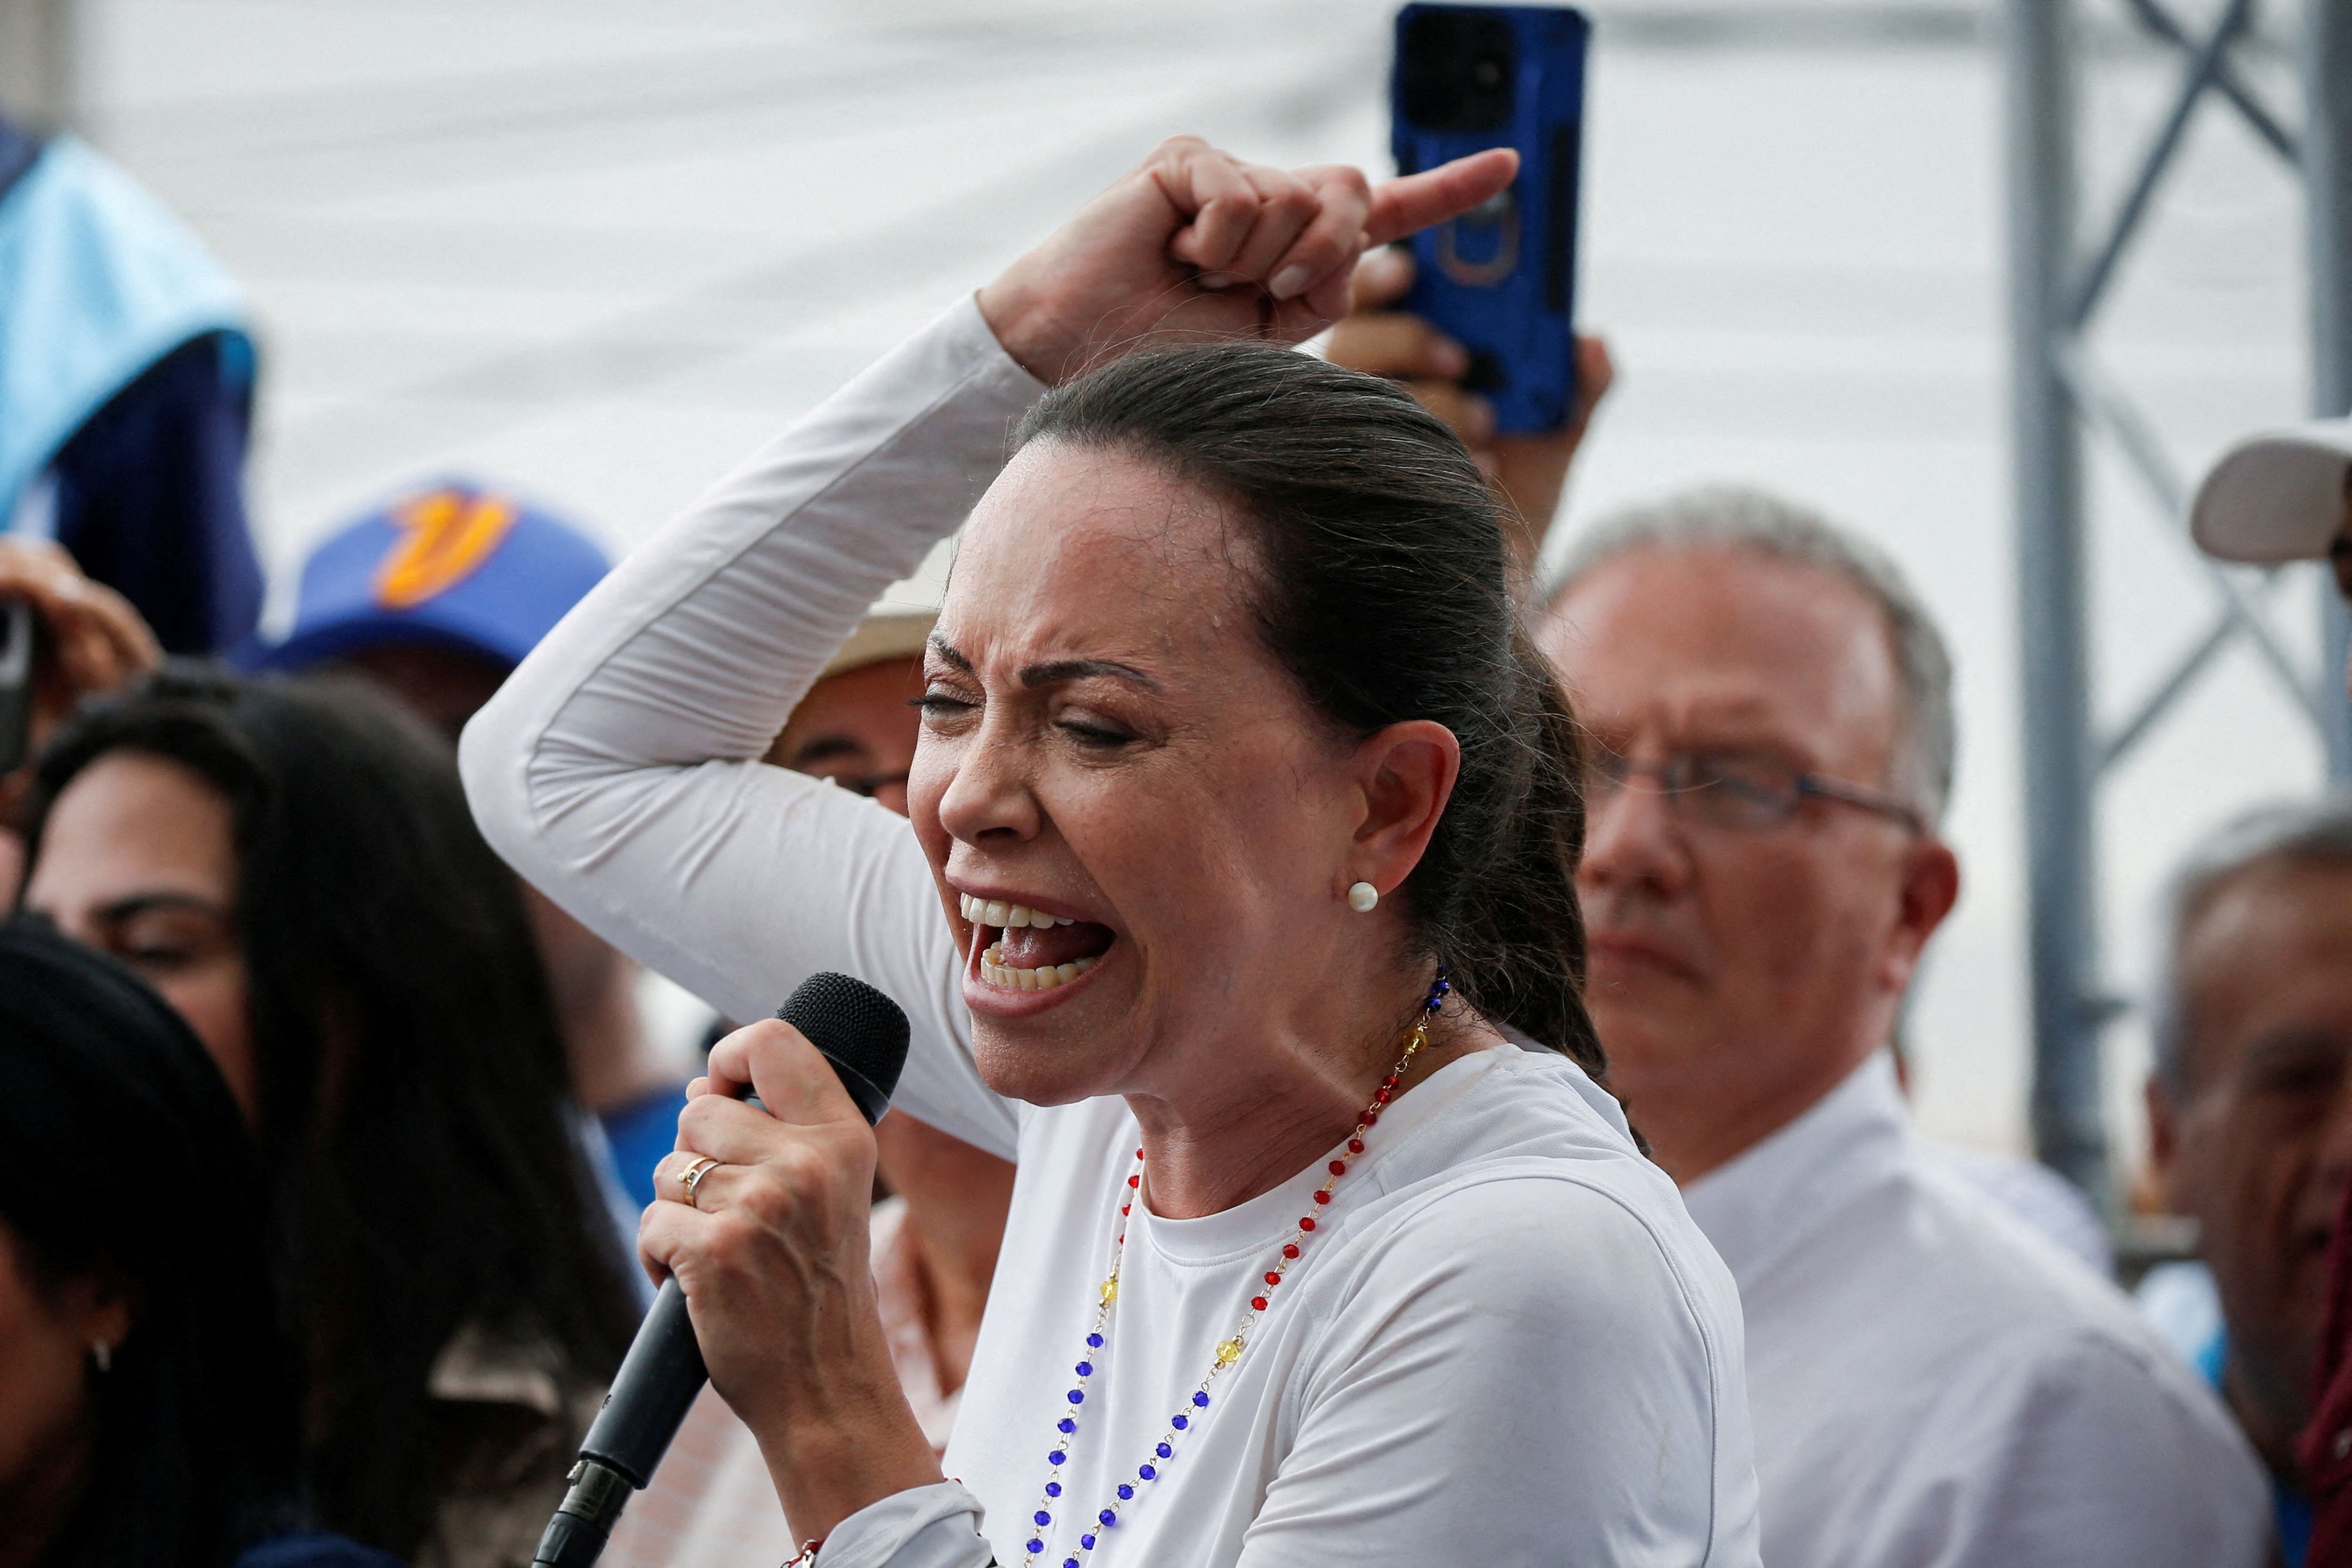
(444,537)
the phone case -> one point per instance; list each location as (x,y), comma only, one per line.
(1500,279)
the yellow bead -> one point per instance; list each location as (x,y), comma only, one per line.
(1230,1351)
(1110,1289)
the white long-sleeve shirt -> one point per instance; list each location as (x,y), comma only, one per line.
(1936,1387)
(1507,1343)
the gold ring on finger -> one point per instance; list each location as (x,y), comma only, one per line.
(693,1177)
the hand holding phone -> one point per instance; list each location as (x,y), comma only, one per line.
(1381,337)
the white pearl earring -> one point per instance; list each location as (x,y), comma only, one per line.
(1362,897)
(103,1354)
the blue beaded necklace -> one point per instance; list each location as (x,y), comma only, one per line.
(1228,1352)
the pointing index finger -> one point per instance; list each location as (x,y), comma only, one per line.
(1413,201)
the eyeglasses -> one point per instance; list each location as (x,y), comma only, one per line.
(1736,790)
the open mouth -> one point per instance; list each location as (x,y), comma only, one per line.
(1026,949)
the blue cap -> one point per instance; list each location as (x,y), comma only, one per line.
(457,565)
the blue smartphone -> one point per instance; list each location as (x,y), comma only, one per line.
(1499,279)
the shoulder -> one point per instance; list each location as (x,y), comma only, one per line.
(2034,1338)
(1523,1219)
(2074,1432)
(1511,1103)
(2092,1377)
(1525,1191)
(2029,1191)
(1543,1275)
(1910,1232)
(1596,1350)
(1955,1241)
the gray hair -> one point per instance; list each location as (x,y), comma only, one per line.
(2315,832)
(1740,518)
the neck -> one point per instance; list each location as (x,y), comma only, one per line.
(1699,1118)
(2270,1410)
(1205,1155)
(611,1061)
(36,1502)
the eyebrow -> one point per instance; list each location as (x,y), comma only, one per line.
(1726,737)
(1053,671)
(823,748)
(1081,669)
(2291,1042)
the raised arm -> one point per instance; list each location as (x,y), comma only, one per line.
(617,769)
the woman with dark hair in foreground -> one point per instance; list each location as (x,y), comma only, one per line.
(294,870)
(147,1403)
(1237,908)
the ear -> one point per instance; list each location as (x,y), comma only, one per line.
(1405,776)
(1930,886)
(98,1308)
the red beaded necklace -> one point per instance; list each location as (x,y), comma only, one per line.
(1229,1350)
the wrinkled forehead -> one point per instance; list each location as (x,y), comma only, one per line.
(1074,550)
(1691,638)
(2265,951)
(2283,908)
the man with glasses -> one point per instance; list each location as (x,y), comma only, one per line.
(1770,709)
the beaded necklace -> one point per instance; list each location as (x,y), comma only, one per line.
(1229,1350)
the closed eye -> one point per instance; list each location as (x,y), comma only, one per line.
(155,958)
(1095,734)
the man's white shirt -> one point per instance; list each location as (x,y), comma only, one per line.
(1933,1384)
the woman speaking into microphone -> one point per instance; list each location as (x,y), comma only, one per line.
(1236,909)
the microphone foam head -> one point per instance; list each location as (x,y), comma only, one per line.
(860,1030)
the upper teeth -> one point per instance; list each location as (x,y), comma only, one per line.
(1008,916)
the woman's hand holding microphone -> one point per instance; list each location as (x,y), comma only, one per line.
(770,1243)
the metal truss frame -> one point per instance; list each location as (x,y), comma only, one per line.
(2060,396)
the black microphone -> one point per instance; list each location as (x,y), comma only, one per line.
(863,1035)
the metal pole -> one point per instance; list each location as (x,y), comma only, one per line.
(2327,184)
(38,63)
(2059,769)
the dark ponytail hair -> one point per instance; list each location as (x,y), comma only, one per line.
(1385,592)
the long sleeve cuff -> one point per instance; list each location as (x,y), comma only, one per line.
(927,1527)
